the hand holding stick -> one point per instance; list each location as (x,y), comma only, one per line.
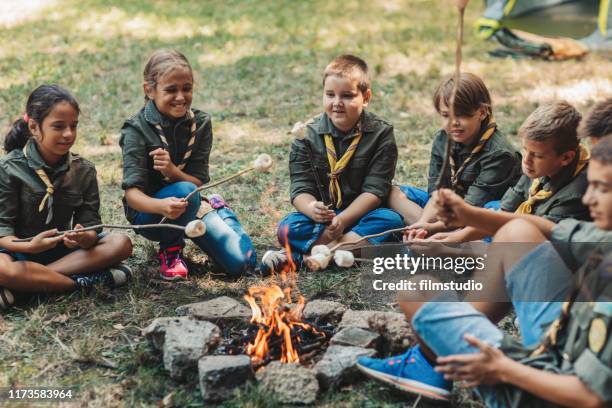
(262,164)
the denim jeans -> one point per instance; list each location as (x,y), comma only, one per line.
(225,240)
(302,231)
(442,325)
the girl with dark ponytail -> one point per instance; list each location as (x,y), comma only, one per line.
(44,188)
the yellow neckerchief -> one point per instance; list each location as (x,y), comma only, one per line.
(338,166)
(189,149)
(526,206)
(48,198)
(456,173)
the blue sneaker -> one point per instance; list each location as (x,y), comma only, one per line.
(409,372)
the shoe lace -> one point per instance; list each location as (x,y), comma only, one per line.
(407,356)
(171,256)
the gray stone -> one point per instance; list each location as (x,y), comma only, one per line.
(289,382)
(357,337)
(392,326)
(320,310)
(218,310)
(337,367)
(221,375)
(156,332)
(186,340)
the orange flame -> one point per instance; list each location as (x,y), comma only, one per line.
(274,311)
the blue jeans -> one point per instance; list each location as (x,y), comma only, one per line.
(225,240)
(442,325)
(416,195)
(302,231)
(421,197)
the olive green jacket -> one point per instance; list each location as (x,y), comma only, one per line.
(566,202)
(75,200)
(584,345)
(139,137)
(370,170)
(486,177)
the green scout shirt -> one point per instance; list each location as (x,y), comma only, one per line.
(486,177)
(139,137)
(575,240)
(75,200)
(370,170)
(584,345)
(566,202)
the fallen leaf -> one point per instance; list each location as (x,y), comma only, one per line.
(63,318)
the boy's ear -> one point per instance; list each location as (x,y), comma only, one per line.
(367,95)
(567,157)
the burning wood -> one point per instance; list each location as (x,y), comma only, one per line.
(282,334)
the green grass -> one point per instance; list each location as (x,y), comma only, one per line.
(258,69)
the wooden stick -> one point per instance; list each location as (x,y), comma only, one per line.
(211,185)
(457,77)
(341,244)
(110,226)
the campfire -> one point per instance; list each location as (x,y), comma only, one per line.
(278,331)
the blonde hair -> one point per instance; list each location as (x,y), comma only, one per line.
(161,62)
(557,121)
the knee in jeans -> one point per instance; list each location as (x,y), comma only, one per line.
(183,188)
(238,265)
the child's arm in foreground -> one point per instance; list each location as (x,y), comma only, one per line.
(454,211)
(491,366)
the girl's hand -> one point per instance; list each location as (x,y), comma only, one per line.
(320,213)
(163,163)
(173,207)
(485,367)
(84,239)
(44,241)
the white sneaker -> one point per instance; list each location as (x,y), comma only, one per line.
(273,261)
(6,298)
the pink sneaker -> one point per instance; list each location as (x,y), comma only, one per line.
(171,265)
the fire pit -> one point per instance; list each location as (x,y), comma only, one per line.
(277,330)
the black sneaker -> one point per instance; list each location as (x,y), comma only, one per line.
(6,298)
(113,277)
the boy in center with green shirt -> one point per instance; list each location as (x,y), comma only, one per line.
(341,171)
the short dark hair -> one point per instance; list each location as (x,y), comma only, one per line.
(472,94)
(602,152)
(557,121)
(349,66)
(40,103)
(598,122)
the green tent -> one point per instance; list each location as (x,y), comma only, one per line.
(588,21)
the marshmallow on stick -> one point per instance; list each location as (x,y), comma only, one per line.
(261,164)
